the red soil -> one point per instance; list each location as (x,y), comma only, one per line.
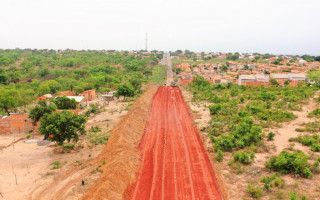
(175,165)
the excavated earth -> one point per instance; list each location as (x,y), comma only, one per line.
(175,164)
(156,152)
(121,153)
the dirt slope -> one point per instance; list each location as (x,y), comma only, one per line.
(175,164)
(121,152)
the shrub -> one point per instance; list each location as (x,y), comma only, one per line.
(68,146)
(271,136)
(56,165)
(254,191)
(315,113)
(28,136)
(311,141)
(98,138)
(219,156)
(95,129)
(287,162)
(243,157)
(214,109)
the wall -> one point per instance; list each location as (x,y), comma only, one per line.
(89,95)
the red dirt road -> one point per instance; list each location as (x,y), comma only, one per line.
(175,165)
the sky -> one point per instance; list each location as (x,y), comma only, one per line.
(264,26)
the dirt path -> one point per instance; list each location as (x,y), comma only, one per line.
(288,130)
(175,164)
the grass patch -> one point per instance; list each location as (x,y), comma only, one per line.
(97,139)
(159,75)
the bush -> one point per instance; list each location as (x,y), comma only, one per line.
(68,146)
(243,157)
(94,129)
(315,113)
(219,156)
(56,165)
(254,191)
(271,136)
(214,109)
(272,181)
(307,140)
(98,138)
(287,162)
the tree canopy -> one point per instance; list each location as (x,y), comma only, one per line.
(62,126)
(65,103)
(41,109)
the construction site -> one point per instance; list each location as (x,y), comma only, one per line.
(154,152)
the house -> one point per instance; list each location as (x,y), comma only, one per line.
(246,78)
(109,96)
(79,99)
(280,77)
(262,78)
(15,123)
(89,95)
(298,77)
(44,97)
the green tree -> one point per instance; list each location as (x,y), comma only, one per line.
(41,109)
(147,72)
(136,82)
(65,103)
(9,99)
(274,82)
(125,90)
(314,77)
(62,126)
(54,86)
(43,89)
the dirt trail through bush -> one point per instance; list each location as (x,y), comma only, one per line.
(121,154)
(175,164)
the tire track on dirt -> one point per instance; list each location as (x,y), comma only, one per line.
(178,166)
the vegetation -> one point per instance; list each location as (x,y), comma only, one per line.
(65,103)
(159,74)
(41,109)
(239,113)
(307,140)
(96,138)
(287,162)
(272,181)
(62,126)
(56,165)
(125,90)
(39,72)
(271,136)
(254,191)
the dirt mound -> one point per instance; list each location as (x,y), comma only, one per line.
(121,153)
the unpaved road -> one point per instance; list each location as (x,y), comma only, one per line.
(166,60)
(175,164)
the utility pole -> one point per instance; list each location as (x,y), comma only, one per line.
(146,41)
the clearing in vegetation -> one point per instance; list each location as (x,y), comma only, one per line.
(175,164)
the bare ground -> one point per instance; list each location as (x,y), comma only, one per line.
(26,169)
(236,180)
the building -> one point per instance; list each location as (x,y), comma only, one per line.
(15,123)
(44,97)
(67,93)
(89,95)
(246,78)
(79,99)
